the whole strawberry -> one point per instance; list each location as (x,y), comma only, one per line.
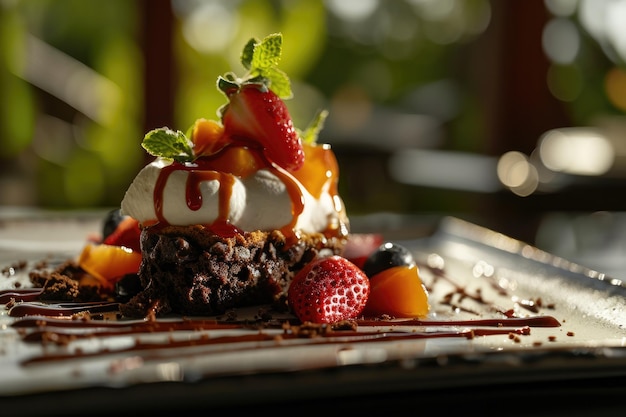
(328,290)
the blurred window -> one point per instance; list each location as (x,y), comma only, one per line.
(83,80)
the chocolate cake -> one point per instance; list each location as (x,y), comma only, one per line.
(191,271)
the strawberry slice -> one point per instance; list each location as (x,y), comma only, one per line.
(127,234)
(256,114)
(360,246)
(328,290)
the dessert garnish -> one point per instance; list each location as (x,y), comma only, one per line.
(395,285)
(329,290)
(255,115)
(250,170)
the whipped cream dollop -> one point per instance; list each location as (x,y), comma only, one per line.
(167,192)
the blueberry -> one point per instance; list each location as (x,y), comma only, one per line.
(111,221)
(387,255)
(127,287)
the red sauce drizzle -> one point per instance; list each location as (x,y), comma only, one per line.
(297,202)
(243,161)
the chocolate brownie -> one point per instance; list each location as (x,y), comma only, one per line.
(189,270)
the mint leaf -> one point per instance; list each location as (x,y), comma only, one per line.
(260,58)
(226,84)
(248,52)
(278,82)
(170,144)
(312,131)
(267,53)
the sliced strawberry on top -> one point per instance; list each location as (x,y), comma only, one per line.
(256,114)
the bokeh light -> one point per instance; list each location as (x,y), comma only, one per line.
(578,151)
(452,170)
(561,40)
(516,173)
(209,27)
(565,82)
(615,85)
(604,21)
(352,10)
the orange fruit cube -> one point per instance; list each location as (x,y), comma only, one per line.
(398,292)
(109,263)
(207,137)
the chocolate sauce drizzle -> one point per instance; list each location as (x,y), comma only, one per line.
(60,324)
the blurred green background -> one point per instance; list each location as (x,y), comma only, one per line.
(435,105)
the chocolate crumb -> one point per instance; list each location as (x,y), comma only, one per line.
(345,325)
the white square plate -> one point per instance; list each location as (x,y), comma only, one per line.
(474,276)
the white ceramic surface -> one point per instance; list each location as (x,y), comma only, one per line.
(589,305)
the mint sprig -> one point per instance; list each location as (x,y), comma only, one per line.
(260,59)
(310,134)
(169,144)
